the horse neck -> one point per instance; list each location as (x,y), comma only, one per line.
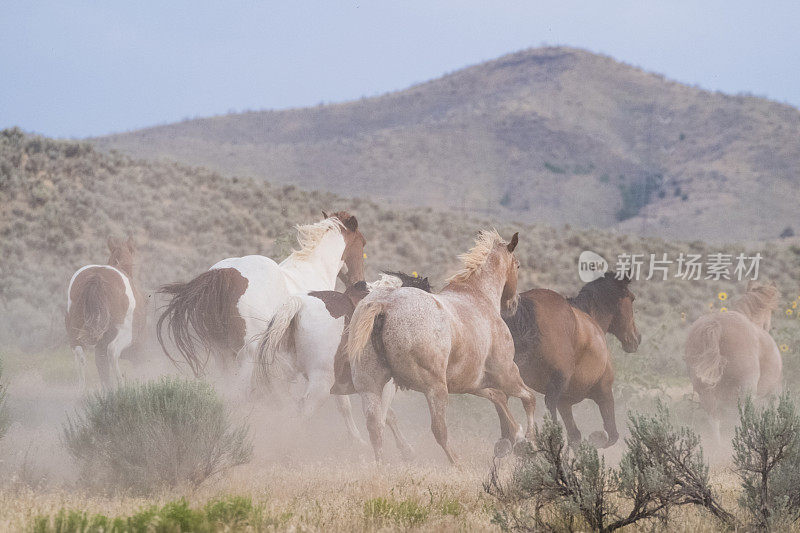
(591,308)
(603,319)
(486,282)
(317,270)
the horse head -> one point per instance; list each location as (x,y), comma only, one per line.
(509,299)
(353,255)
(122,254)
(623,325)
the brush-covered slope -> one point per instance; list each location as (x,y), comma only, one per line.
(556,135)
(60,200)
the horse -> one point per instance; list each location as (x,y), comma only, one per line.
(228,306)
(454,341)
(105,310)
(308,334)
(561,351)
(733,354)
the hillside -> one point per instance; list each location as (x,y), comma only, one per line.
(60,200)
(553,135)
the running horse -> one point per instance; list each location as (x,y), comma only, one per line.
(732,354)
(561,348)
(307,337)
(105,310)
(452,342)
(225,309)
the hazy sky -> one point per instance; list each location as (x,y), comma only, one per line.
(75,69)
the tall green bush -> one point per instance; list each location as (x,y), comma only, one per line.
(162,433)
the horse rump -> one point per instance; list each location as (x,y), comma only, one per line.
(702,355)
(89,314)
(277,339)
(203,311)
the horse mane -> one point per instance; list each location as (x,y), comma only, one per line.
(757,300)
(310,235)
(386,281)
(598,296)
(476,257)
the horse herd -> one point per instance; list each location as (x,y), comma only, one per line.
(266,323)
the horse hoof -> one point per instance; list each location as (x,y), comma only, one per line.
(598,439)
(502,448)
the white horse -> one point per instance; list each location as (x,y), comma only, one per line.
(228,306)
(307,338)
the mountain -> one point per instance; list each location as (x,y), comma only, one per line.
(554,135)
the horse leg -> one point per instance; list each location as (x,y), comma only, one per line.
(406,450)
(80,363)
(510,382)
(573,433)
(605,401)
(101,361)
(343,404)
(552,395)
(369,378)
(437,404)
(122,340)
(317,389)
(510,431)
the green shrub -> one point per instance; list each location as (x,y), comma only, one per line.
(555,487)
(161,433)
(766,451)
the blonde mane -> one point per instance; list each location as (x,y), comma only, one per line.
(309,235)
(476,257)
(757,300)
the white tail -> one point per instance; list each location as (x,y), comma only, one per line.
(361,327)
(277,336)
(702,352)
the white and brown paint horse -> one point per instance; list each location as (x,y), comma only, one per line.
(105,310)
(225,309)
(307,337)
(452,342)
(730,355)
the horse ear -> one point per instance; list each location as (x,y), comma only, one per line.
(514,242)
(324,214)
(351,223)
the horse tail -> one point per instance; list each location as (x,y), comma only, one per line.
(277,336)
(203,311)
(89,315)
(362,325)
(703,354)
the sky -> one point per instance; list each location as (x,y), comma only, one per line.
(79,69)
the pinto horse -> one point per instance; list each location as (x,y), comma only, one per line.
(732,354)
(308,336)
(561,348)
(105,310)
(452,342)
(227,307)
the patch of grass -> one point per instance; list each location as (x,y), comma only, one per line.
(162,433)
(406,513)
(233,513)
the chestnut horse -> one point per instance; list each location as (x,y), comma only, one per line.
(307,336)
(105,310)
(453,342)
(227,307)
(732,354)
(561,348)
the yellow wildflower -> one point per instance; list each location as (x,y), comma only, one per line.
(784,348)
(722,296)
(415,274)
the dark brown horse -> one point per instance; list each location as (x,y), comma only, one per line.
(105,310)
(561,348)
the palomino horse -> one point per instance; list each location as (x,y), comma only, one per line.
(307,335)
(228,306)
(732,354)
(105,310)
(451,342)
(561,348)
